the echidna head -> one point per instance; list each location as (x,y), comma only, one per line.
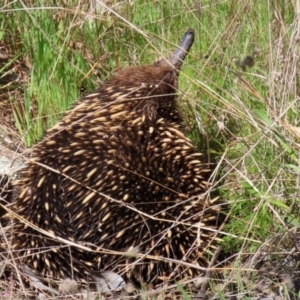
(151,88)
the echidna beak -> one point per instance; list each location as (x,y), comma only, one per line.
(184,47)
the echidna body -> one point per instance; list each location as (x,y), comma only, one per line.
(117,172)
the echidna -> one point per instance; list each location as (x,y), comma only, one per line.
(118,172)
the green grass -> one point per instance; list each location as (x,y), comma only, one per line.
(249,119)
